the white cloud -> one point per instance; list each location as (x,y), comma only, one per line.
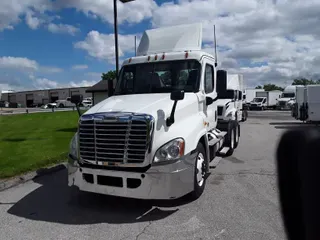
(32,21)
(79,67)
(282,36)
(132,12)
(101,46)
(44,83)
(18,63)
(22,64)
(62,28)
(12,10)
(83,83)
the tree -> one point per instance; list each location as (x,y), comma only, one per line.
(304,81)
(269,87)
(109,75)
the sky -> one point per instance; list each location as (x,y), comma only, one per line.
(69,43)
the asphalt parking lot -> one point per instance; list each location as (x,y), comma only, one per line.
(240,200)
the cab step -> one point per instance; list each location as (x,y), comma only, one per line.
(224,150)
(214,163)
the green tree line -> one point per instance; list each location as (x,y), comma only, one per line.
(297,81)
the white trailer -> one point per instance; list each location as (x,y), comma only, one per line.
(265,100)
(307,106)
(250,94)
(230,102)
(155,139)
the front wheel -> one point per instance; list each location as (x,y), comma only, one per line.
(200,172)
(61,105)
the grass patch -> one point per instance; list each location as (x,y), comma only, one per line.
(31,141)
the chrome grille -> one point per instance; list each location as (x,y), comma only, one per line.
(282,103)
(119,140)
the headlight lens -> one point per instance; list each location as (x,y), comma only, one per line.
(74,146)
(173,150)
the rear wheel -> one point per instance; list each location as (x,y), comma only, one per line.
(200,172)
(237,135)
(61,105)
(230,141)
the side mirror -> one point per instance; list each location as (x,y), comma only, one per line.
(174,96)
(209,101)
(177,95)
(76,99)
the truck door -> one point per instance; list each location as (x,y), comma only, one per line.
(210,110)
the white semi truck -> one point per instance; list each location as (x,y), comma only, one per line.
(287,99)
(307,105)
(265,100)
(154,139)
(230,102)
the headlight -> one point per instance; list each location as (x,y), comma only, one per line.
(74,146)
(172,150)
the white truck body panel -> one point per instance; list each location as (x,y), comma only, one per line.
(272,97)
(171,39)
(251,94)
(313,98)
(301,99)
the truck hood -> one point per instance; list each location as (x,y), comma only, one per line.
(141,103)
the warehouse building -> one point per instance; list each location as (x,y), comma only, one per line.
(41,97)
(99,91)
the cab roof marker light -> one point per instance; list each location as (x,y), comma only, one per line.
(186,55)
(156,57)
(148,58)
(130,60)
(163,56)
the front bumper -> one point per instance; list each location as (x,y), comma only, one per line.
(168,181)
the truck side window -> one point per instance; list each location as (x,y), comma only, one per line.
(240,95)
(264,100)
(208,82)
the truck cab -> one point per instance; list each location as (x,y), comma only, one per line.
(288,97)
(230,102)
(156,136)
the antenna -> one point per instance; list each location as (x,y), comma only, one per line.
(135,45)
(215,46)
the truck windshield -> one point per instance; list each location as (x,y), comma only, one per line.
(159,77)
(288,95)
(229,94)
(257,100)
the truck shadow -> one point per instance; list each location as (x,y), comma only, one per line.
(290,125)
(54,202)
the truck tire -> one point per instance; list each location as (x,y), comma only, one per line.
(230,141)
(200,171)
(237,135)
(61,105)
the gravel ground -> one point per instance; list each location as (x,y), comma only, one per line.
(240,201)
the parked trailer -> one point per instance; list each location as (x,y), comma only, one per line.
(265,100)
(250,94)
(170,132)
(307,106)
